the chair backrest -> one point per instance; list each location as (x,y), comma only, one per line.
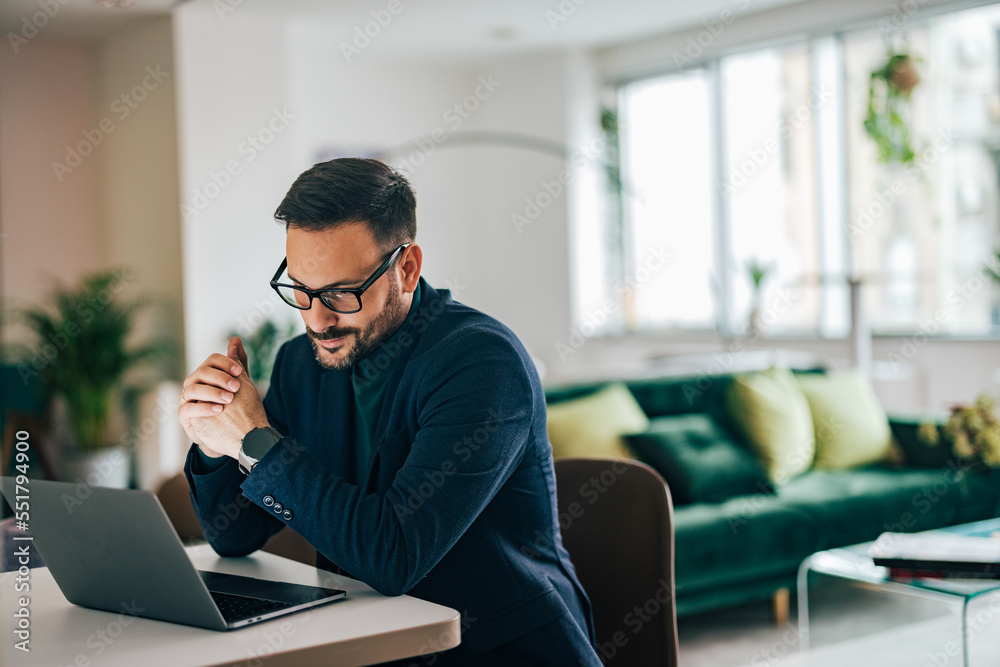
(617,524)
(175,496)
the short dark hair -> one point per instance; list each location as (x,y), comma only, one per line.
(352,190)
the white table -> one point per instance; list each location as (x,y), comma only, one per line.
(365,628)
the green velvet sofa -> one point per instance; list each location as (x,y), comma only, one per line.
(749,547)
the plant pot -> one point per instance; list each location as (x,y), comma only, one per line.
(905,76)
(109,466)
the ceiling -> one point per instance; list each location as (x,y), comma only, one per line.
(425,28)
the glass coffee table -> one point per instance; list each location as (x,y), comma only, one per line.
(853,564)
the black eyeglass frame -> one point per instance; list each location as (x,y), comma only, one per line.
(318,293)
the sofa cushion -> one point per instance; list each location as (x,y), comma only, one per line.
(698,459)
(772,414)
(858,505)
(850,425)
(592,426)
(740,540)
(917,452)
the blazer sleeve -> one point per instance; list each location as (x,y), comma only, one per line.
(474,407)
(232,524)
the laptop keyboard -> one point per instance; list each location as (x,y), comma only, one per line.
(239,607)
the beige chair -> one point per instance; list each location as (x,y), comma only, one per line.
(175,496)
(617,524)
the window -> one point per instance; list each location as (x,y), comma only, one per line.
(760,159)
(666,144)
(768,184)
(922,235)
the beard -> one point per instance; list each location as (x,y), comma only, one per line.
(362,342)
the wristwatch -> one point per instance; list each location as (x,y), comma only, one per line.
(254,445)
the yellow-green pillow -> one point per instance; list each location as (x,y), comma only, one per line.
(592,426)
(769,409)
(851,426)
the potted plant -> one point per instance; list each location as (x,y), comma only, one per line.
(886,121)
(972,432)
(82,357)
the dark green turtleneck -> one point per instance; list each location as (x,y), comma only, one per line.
(369,379)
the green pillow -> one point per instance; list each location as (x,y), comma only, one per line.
(769,410)
(592,426)
(699,461)
(851,426)
(917,452)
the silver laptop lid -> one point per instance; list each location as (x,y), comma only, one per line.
(115,550)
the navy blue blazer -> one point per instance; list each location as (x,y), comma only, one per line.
(459,504)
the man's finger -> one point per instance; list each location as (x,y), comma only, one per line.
(193,409)
(207,393)
(223,363)
(237,351)
(213,377)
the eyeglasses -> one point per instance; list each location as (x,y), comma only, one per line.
(337,300)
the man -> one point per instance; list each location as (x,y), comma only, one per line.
(403,435)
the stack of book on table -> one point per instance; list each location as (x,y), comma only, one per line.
(937,554)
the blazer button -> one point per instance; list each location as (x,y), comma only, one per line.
(277,508)
(268,500)
(288,515)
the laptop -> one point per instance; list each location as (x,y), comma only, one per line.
(116,550)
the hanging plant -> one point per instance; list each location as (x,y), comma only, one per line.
(889,106)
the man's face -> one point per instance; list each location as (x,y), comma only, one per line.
(344,257)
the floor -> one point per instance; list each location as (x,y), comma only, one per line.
(849,626)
